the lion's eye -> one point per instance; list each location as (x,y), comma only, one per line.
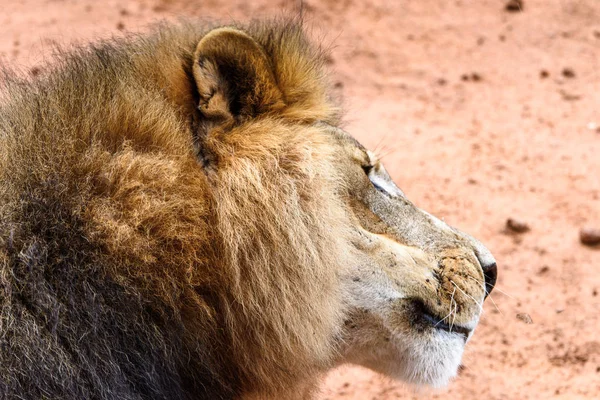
(375,181)
(381,181)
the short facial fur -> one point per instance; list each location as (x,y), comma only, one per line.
(182,217)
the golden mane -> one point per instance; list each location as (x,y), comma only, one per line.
(131,269)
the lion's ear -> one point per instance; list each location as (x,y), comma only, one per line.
(234,77)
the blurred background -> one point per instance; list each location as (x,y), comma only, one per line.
(485,111)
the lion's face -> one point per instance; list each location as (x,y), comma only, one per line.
(416,286)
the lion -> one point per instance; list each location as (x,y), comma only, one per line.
(182,217)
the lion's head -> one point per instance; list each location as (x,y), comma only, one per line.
(411,287)
(187,209)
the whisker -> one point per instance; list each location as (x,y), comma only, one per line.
(495,305)
(381,143)
(490,295)
(495,287)
(455,308)
(386,151)
(455,312)
(504,293)
(479,304)
(443,319)
(479,282)
(450,313)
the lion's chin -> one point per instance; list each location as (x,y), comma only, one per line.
(431,360)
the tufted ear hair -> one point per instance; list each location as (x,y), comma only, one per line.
(234,78)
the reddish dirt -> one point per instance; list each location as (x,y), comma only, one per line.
(483,115)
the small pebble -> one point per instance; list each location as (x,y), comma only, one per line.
(474,76)
(524,317)
(589,236)
(568,73)
(569,96)
(514,5)
(516,225)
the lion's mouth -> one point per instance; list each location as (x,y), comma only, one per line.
(427,317)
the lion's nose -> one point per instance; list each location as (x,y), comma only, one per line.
(488,265)
(490,273)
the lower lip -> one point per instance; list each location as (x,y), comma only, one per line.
(441,325)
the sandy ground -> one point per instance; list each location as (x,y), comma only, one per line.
(484,115)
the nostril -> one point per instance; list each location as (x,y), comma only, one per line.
(487,263)
(490,273)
